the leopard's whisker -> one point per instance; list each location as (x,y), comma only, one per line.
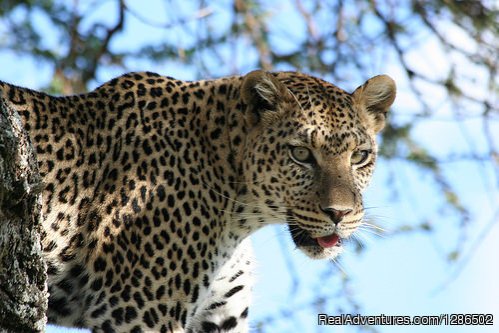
(371,231)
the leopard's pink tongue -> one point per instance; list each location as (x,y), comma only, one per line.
(328,241)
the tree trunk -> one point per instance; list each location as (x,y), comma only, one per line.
(23,288)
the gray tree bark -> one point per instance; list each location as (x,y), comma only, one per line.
(23,288)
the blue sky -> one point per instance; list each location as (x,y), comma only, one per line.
(397,274)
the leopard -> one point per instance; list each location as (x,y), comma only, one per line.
(153,185)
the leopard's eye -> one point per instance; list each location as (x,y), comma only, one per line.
(301,154)
(359,157)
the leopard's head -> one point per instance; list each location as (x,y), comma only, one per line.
(309,153)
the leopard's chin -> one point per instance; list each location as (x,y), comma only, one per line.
(327,247)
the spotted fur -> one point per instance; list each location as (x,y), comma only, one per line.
(153,184)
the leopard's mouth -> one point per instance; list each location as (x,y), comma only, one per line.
(302,238)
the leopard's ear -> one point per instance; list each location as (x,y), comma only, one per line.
(374,98)
(262,92)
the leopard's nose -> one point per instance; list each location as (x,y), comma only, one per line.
(336,215)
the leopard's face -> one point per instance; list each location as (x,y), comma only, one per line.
(307,160)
